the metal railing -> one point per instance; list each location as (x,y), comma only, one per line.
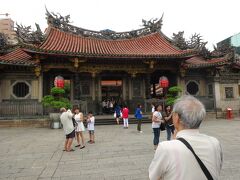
(20,109)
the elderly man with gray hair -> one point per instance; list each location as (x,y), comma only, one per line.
(191,155)
(66,120)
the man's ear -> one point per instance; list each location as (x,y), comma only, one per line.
(176,120)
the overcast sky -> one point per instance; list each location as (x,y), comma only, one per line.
(215,20)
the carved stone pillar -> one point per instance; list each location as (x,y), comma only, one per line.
(130,81)
(76,87)
(154,90)
(98,89)
(94,88)
(217,95)
(148,85)
(126,88)
(40,86)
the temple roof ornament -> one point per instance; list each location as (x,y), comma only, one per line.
(195,41)
(25,34)
(62,22)
(222,50)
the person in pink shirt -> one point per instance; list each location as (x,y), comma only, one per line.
(125,112)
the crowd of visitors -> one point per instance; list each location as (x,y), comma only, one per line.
(73,126)
(108,106)
(187,154)
(73,123)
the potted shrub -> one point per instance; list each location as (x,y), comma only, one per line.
(54,102)
(172,94)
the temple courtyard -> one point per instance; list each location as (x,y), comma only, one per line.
(36,153)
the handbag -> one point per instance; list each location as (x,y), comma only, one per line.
(162,126)
(203,167)
(74,122)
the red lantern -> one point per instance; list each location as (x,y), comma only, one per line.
(59,82)
(163,82)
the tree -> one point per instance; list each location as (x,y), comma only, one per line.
(172,94)
(56,100)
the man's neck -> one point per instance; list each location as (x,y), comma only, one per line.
(180,127)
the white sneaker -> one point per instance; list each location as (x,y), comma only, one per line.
(140,131)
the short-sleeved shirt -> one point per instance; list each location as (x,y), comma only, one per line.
(117,110)
(173,160)
(66,120)
(153,109)
(125,113)
(91,123)
(138,113)
(158,115)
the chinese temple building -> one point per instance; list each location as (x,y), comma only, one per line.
(122,66)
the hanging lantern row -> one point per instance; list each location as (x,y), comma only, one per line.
(59,82)
(163,82)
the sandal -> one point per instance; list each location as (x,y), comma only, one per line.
(82,147)
(78,145)
(71,150)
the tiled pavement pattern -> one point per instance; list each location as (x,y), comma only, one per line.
(36,153)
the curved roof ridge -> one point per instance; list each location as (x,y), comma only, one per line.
(151,45)
(201,62)
(63,23)
(17,57)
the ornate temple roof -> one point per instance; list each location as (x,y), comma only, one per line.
(200,62)
(67,43)
(17,57)
(62,38)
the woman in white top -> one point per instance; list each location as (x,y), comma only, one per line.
(79,128)
(156,122)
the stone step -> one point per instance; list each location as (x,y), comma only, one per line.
(113,121)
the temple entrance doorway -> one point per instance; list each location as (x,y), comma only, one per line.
(111,94)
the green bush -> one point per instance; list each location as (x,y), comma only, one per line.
(57,91)
(67,88)
(47,100)
(172,94)
(175,89)
(55,100)
(58,104)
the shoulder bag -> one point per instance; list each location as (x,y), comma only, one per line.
(162,125)
(203,167)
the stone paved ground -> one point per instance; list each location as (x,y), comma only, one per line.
(36,153)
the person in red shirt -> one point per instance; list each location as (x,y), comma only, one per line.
(125,112)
